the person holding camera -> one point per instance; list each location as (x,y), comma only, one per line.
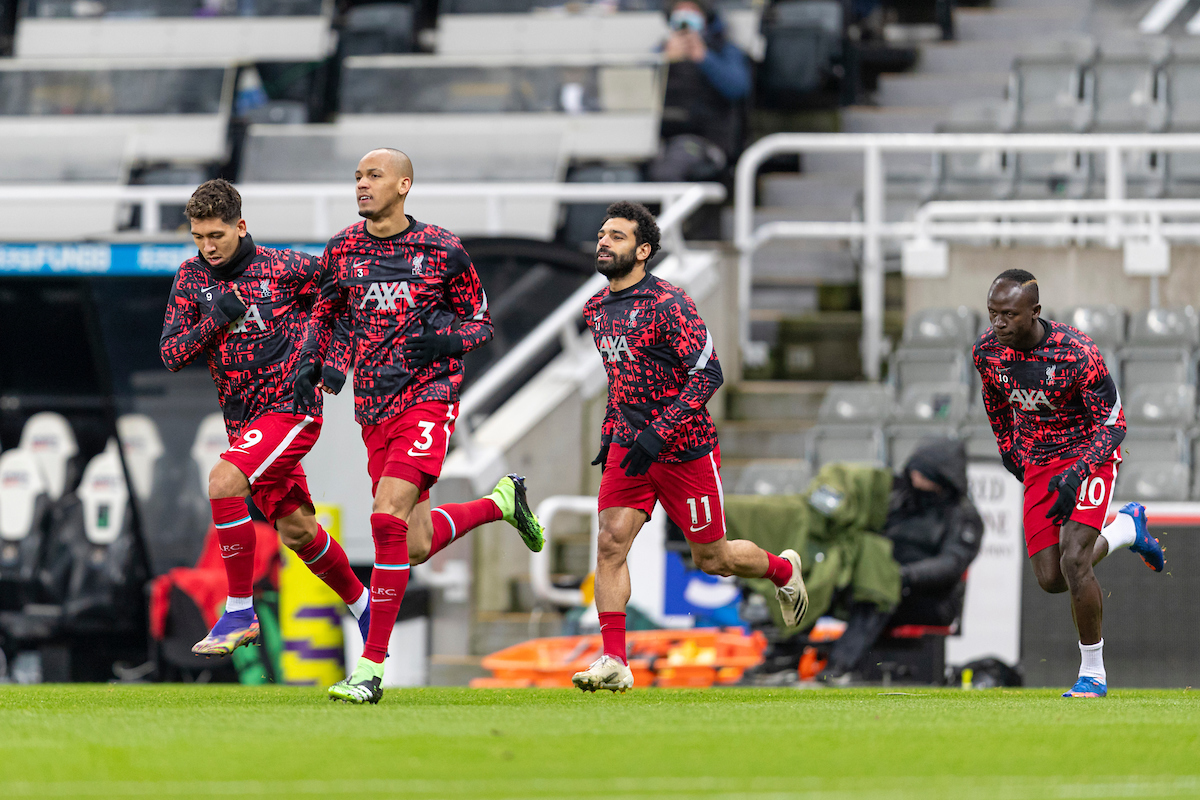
(708,78)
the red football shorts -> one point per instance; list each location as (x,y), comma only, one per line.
(268,453)
(690,492)
(411,446)
(1091,507)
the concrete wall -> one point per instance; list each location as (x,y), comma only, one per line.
(1067,276)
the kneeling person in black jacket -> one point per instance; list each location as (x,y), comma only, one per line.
(936,532)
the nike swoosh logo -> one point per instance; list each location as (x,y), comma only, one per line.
(206,288)
(702,527)
(416,455)
(360,264)
(231,555)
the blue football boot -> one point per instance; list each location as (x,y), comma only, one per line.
(233,629)
(1144,544)
(1087,687)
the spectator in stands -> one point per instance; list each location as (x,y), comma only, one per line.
(936,532)
(708,79)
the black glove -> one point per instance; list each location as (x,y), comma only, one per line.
(305,381)
(333,379)
(429,347)
(1066,486)
(642,452)
(1010,464)
(230,306)
(602,457)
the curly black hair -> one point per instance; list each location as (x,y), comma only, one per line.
(647,228)
(215,198)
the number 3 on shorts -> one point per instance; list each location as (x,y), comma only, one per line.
(425,441)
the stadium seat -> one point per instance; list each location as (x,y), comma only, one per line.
(1130,91)
(1142,365)
(1165,327)
(941,327)
(855,443)
(927,365)
(932,403)
(1053,90)
(980,441)
(24,516)
(48,437)
(769,476)
(855,404)
(1146,444)
(903,439)
(983,174)
(1171,404)
(1152,480)
(108,574)
(1104,325)
(377,28)
(142,447)
(804,43)
(211,441)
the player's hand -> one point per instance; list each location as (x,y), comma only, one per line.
(642,452)
(305,381)
(602,457)
(332,380)
(231,305)
(429,347)
(1066,486)
(1010,464)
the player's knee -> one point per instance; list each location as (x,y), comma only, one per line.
(1075,563)
(609,549)
(226,480)
(1052,584)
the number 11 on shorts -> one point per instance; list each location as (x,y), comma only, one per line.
(691,501)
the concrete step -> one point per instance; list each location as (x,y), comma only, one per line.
(918,89)
(981,25)
(776,400)
(753,439)
(794,260)
(908,119)
(785,299)
(953,58)
(733,469)
(795,190)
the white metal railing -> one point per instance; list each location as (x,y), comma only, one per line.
(684,198)
(1122,219)
(561,323)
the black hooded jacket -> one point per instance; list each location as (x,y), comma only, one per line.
(935,535)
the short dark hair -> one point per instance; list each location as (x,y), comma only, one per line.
(215,198)
(647,227)
(1021,278)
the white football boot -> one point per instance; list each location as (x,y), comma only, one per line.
(605,672)
(793,597)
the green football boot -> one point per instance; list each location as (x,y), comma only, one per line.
(509,495)
(362,686)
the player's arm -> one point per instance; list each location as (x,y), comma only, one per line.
(692,343)
(329,313)
(465,296)
(1103,401)
(339,357)
(1000,416)
(187,330)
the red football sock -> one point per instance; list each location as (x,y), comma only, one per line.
(328,561)
(236,534)
(453,520)
(779,570)
(389,579)
(612,633)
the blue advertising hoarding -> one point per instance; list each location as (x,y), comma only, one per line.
(95,258)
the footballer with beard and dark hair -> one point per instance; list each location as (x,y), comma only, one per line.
(657,441)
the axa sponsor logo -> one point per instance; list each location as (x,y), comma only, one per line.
(1030,399)
(612,348)
(251,317)
(385,295)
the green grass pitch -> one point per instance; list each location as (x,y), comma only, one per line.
(230,741)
